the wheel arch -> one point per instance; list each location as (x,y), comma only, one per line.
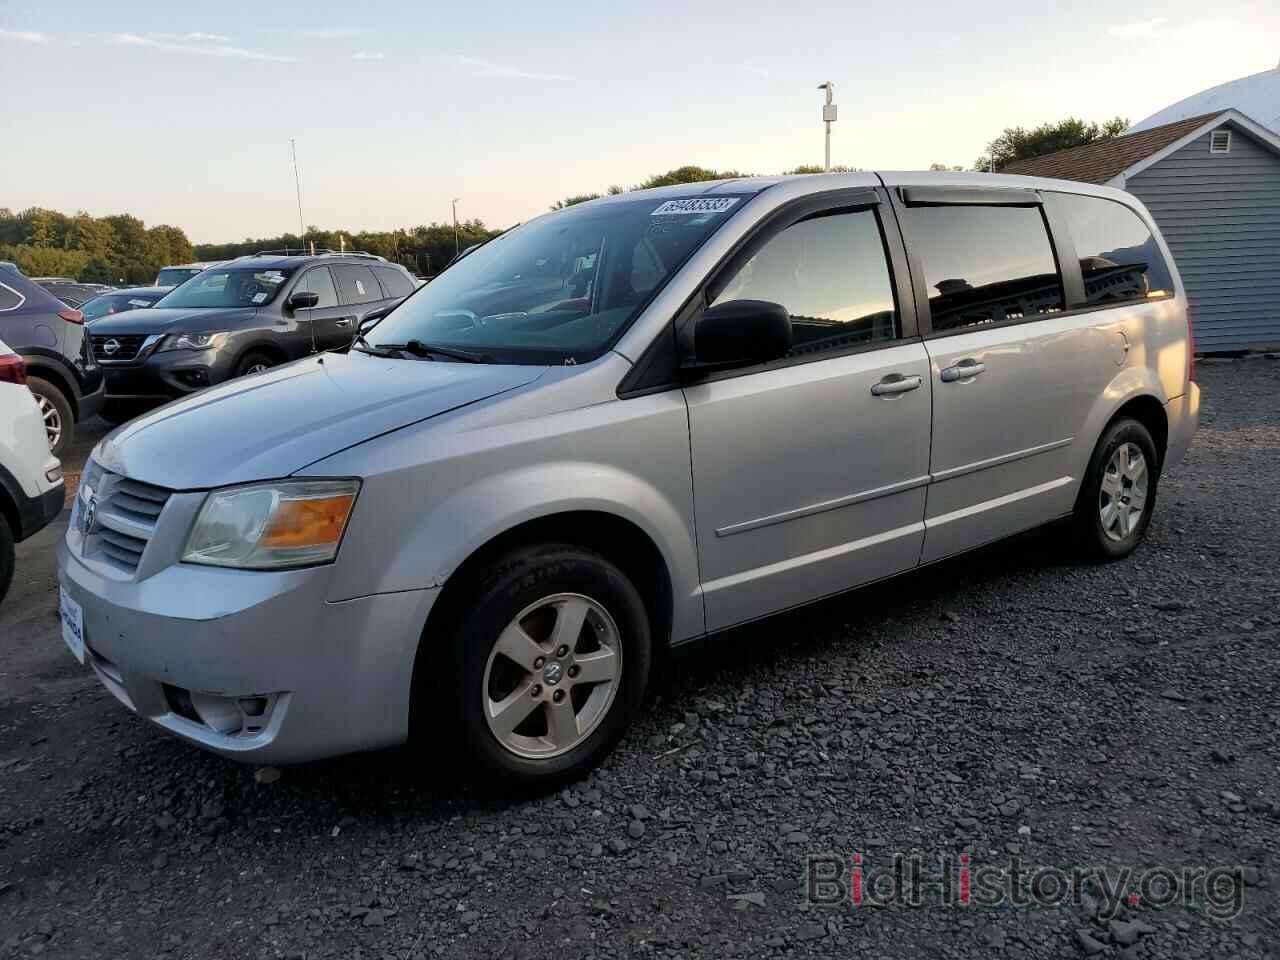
(51,371)
(1149,412)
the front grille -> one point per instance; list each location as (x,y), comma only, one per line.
(125,517)
(117,347)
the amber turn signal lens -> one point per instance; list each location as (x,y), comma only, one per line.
(308,523)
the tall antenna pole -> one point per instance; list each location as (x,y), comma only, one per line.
(297,183)
(456,248)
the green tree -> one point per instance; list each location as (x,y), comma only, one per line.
(36,261)
(689,173)
(814,168)
(1018,143)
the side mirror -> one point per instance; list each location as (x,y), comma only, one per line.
(740,332)
(302,300)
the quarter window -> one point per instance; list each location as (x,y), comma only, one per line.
(985,265)
(358,284)
(831,274)
(395,283)
(1119,257)
(320,283)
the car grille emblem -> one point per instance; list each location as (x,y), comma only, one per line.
(111,347)
(90,515)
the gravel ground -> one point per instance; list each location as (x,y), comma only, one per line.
(1010,708)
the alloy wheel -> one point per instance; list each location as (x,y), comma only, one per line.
(552,676)
(52,421)
(1123,494)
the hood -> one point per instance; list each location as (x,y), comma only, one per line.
(272,424)
(154,320)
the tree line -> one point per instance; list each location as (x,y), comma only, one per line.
(122,249)
(114,249)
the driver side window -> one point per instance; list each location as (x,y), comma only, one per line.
(831,273)
(320,282)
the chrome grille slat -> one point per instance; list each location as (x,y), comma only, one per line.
(128,346)
(126,517)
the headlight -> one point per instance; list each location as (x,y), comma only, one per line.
(262,526)
(191,341)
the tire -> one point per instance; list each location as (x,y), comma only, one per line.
(1117,480)
(254,362)
(7,559)
(59,420)
(543,588)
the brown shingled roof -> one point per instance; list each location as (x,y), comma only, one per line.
(1099,162)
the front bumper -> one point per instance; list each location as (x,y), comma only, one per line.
(255,666)
(1183,414)
(167,375)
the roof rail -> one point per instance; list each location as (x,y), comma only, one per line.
(319,252)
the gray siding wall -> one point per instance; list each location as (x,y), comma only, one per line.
(1220,215)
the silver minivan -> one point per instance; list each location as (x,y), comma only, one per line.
(617,428)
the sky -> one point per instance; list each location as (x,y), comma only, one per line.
(182,113)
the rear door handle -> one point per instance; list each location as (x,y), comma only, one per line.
(964,370)
(895,384)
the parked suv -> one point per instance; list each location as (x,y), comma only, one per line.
(31,486)
(617,428)
(50,338)
(240,317)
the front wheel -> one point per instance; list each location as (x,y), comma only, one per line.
(254,363)
(1119,492)
(553,654)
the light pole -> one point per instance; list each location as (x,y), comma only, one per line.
(456,248)
(828,118)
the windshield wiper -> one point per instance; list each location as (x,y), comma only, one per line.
(419,349)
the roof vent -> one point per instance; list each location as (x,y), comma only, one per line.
(1220,141)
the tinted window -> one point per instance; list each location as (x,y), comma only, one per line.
(358,284)
(395,283)
(1118,255)
(831,274)
(984,264)
(320,283)
(10,299)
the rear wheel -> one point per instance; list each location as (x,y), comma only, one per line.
(254,363)
(553,655)
(6,556)
(1119,492)
(55,409)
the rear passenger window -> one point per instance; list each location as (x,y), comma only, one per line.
(10,299)
(1119,257)
(831,274)
(395,283)
(320,283)
(358,284)
(984,265)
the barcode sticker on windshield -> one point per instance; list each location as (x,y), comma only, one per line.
(259,298)
(695,205)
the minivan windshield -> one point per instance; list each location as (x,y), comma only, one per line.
(228,287)
(558,288)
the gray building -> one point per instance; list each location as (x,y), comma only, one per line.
(1212,182)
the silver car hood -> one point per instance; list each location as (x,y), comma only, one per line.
(272,424)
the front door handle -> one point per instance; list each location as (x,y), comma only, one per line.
(895,384)
(964,370)
(344,321)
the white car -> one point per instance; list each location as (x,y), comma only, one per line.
(31,488)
